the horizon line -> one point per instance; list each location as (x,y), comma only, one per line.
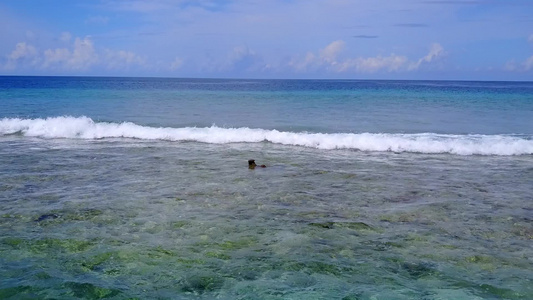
(243,78)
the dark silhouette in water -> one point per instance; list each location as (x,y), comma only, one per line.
(252,165)
(47,217)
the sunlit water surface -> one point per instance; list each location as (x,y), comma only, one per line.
(138,188)
(131,219)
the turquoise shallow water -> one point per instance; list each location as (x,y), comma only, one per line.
(157,210)
(289,105)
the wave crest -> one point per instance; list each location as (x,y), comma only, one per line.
(86,128)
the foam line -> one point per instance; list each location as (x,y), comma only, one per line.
(85,128)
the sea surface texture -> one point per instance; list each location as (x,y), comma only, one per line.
(139,188)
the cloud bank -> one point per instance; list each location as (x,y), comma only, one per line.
(80,56)
(23,54)
(329,59)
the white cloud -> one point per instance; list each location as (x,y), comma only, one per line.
(55,56)
(22,50)
(23,54)
(435,52)
(524,66)
(302,65)
(373,64)
(83,54)
(330,53)
(81,57)
(328,59)
(121,60)
(530,39)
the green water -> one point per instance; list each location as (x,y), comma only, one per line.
(144,220)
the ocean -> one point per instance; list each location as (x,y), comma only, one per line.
(139,188)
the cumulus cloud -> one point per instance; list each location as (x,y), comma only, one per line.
(373,64)
(81,57)
(301,65)
(23,50)
(330,53)
(326,58)
(122,60)
(23,54)
(524,66)
(330,59)
(435,52)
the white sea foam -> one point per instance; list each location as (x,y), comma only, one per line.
(86,128)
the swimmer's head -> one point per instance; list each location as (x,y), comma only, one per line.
(251,164)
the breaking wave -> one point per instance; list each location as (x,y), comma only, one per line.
(86,128)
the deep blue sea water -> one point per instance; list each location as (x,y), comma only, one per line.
(138,188)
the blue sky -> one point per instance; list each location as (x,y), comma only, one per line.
(359,39)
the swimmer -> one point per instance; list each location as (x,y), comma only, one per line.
(252,165)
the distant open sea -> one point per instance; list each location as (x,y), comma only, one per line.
(139,188)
